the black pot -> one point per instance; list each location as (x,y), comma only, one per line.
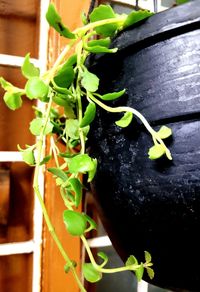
(144,204)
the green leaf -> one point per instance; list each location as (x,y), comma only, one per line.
(139,272)
(76,186)
(13,100)
(28,156)
(89,115)
(69,112)
(45,159)
(54,20)
(99,46)
(147,256)
(81,163)
(75,222)
(68,266)
(28,69)
(164,132)
(5,84)
(65,76)
(136,16)
(156,151)
(36,88)
(59,173)
(104,257)
(101,42)
(104,12)
(61,99)
(150,272)
(131,261)
(125,120)
(92,223)
(61,89)
(179,2)
(72,60)
(99,50)
(92,172)
(90,273)
(67,154)
(84,18)
(37,125)
(72,128)
(113,95)
(90,81)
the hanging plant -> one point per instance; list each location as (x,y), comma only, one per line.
(70,93)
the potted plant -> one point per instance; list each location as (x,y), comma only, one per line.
(72,89)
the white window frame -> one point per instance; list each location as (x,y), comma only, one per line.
(33,246)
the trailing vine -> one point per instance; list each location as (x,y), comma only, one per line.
(63,89)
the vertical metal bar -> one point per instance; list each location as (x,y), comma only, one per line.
(155,5)
(137,5)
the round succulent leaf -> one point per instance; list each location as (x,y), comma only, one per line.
(46,159)
(5,84)
(89,115)
(156,151)
(28,69)
(89,81)
(59,173)
(54,20)
(90,273)
(150,272)
(37,125)
(100,49)
(104,42)
(104,12)
(92,171)
(125,120)
(13,100)
(36,89)
(75,222)
(136,16)
(139,273)
(81,163)
(76,186)
(28,156)
(179,2)
(64,76)
(131,261)
(164,132)
(72,128)
(113,95)
(147,256)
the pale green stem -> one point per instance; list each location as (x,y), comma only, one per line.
(137,114)
(78,95)
(103,270)
(54,150)
(60,59)
(82,30)
(44,210)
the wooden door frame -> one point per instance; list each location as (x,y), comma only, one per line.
(54,278)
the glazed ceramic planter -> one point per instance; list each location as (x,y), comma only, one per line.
(144,204)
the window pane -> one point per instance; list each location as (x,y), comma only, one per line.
(16,273)
(20,210)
